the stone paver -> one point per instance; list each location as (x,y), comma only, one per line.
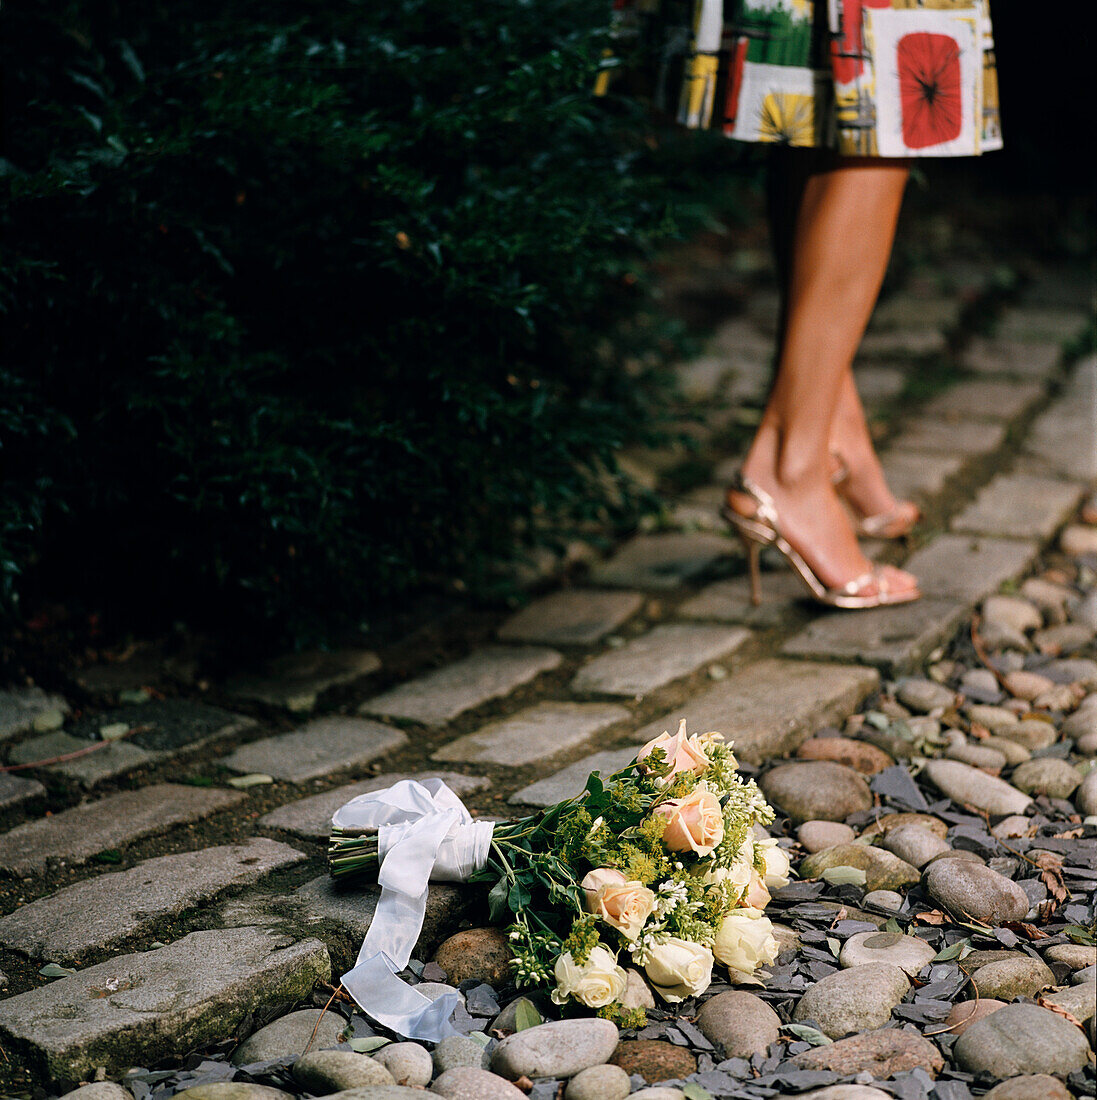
(21,705)
(971,437)
(729,601)
(661,561)
(1018,357)
(907,341)
(136,1009)
(102,911)
(114,759)
(1063,439)
(296,680)
(571,780)
(906,311)
(532,734)
(311,817)
(664,654)
(700,379)
(770,707)
(75,835)
(984,399)
(892,638)
(575,616)
(968,567)
(918,474)
(443,694)
(742,339)
(1041,325)
(15,790)
(350,907)
(320,746)
(877,385)
(1020,505)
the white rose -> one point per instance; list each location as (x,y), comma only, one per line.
(776,873)
(678,969)
(744,943)
(599,981)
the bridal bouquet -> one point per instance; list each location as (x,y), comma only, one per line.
(656,866)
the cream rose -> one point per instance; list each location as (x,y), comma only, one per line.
(745,942)
(682,753)
(596,881)
(777,864)
(678,969)
(757,896)
(623,904)
(599,981)
(694,823)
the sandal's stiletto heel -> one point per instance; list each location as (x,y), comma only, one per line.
(763,528)
(897,523)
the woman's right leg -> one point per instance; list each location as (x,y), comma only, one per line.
(842,242)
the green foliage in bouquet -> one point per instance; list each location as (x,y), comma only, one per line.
(657,861)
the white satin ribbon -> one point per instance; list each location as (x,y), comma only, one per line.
(424,834)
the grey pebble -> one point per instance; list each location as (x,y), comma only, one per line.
(409,1063)
(470,1083)
(603,1082)
(458,1050)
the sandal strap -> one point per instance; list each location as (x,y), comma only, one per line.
(766,509)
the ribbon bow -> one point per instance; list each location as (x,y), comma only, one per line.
(424,833)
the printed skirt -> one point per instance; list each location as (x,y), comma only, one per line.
(887,78)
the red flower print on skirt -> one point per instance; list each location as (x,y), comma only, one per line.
(847,50)
(930,89)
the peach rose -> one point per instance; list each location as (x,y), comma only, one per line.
(694,823)
(757,895)
(624,905)
(682,753)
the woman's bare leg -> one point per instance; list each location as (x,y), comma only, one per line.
(844,232)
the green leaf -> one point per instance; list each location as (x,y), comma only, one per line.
(594,784)
(371,1042)
(479,1037)
(956,951)
(843,876)
(108,855)
(893,926)
(518,897)
(834,946)
(694,1091)
(525,1015)
(808,1034)
(114,731)
(1080,934)
(55,970)
(497,901)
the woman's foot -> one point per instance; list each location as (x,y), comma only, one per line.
(886,518)
(811,519)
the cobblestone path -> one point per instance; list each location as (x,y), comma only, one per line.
(176,878)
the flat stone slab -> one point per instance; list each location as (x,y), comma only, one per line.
(115,758)
(917,341)
(662,561)
(443,694)
(15,790)
(918,474)
(907,311)
(296,680)
(534,733)
(137,1009)
(1021,506)
(700,379)
(1044,325)
(164,728)
(571,780)
(664,654)
(772,706)
(985,355)
(878,385)
(1062,439)
(102,911)
(20,706)
(894,639)
(729,600)
(350,908)
(311,817)
(575,616)
(971,437)
(321,746)
(968,567)
(74,836)
(985,399)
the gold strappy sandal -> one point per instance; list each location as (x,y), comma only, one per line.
(871,589)
(896,523)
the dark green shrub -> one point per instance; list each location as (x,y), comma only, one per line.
(308,306)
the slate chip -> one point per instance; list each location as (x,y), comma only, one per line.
(896,785)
